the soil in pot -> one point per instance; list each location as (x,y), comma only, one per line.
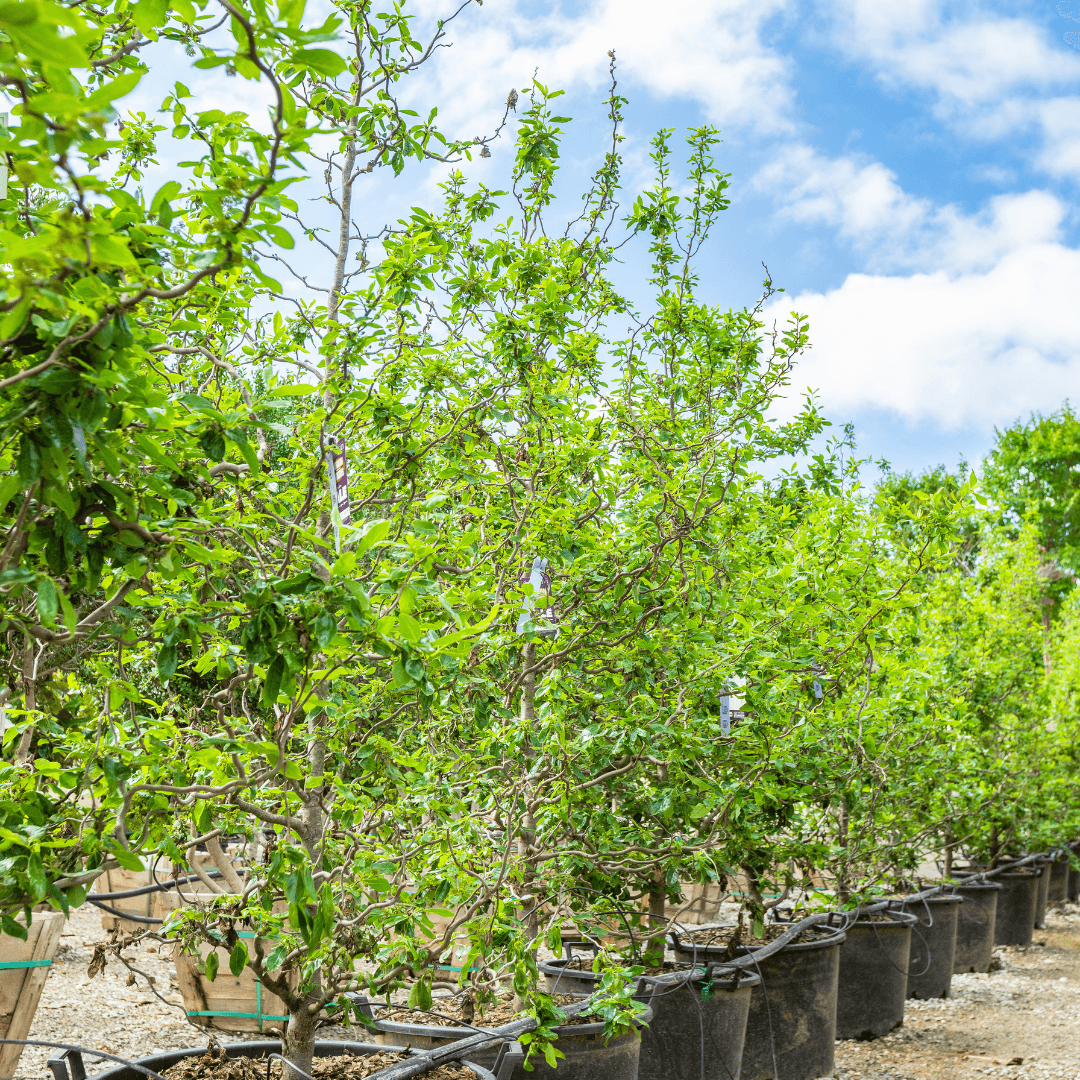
(791,1025)
(247,1061)
(933,945)
(719,943)
(588,1055)
(874,965)
(340,1067)
(976,924)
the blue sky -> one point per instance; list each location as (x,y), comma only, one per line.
(908,171)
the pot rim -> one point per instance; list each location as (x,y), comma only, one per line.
(834,936)
(432,1031)
(898,920)
(556,967)
(947,898)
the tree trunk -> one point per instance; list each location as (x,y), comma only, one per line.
(654,949)
(29,699)
(527,831)
(842,891)
(298,1043)
(947,862)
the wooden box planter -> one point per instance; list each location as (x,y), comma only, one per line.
(229,1003)
(24,966)
(122,880)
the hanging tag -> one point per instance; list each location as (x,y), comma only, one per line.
(536,580)
(817,689)
(338,479)
(725,714)
(540,581)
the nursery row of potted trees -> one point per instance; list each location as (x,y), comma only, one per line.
(438,584)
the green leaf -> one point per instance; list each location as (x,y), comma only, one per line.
(322,61)
(293,390)
(48,603)
(376,531)
(12,927)
(238,958)
(420,996)
(272,683)
(76,896)
(29,461)
(213,443)
(281,237)
(127,859)
(166,663)
(37,882)
(150,15)
(122,84)
(276,957)
(212,966)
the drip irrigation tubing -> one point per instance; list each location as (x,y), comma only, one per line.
(158,886)
(98,899)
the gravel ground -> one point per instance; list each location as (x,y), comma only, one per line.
(1021,1021)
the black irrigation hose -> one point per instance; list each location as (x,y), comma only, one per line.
(159,886)
(144,919)
(83,1050)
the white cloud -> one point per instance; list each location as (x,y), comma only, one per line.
(972,59)
(990,76)
(710,51)
(977,349)
(862,200)
(1060,122)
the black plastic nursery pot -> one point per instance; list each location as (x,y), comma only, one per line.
(260,1049)
(1057,891)
(933,945)
(791,1026)
(587,1055)
(1042,889)
(874,964)
(976,925)
(1015,906)
(698,1026)
(1042,895)
(1073,891)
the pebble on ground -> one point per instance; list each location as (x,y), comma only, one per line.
(1020,1021)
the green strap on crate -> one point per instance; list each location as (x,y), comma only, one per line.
(258,1014)
(8,964)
